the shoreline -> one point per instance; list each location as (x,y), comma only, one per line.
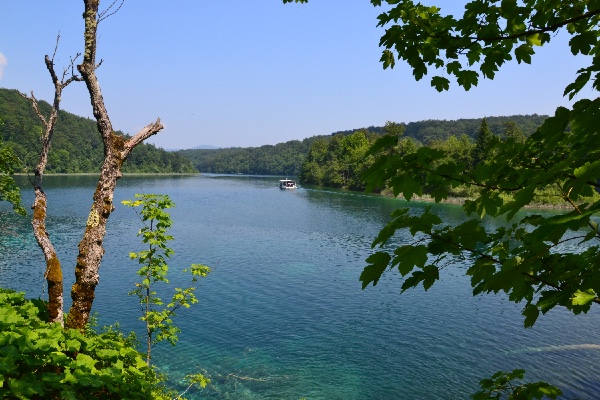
(98,173)
(461,200)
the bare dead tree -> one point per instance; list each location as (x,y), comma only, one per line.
(53,273)
(116,150)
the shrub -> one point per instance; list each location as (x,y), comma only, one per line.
(39,360)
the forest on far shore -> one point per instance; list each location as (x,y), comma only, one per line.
(76,145)
(286,159)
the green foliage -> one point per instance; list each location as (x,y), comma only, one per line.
(291,158)
(430,131)
(483,141)
(394,128)
(528,257)
(338,162)
(502,385)
(525,259)
(9,164)
(326,165)
(514,132)
(44,361)
(280,159)
(157,315)
(488,34)
(76,144)
(459,149)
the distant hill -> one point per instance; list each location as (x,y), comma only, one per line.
(76,145)
(205,147)
(430,130)
(285,159)
(280,159)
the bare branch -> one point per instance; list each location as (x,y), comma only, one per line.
(103,15)
(34,103)
(145,133)
(74,76)
(56,45)
(50,67)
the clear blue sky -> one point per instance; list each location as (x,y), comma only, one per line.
(248,73)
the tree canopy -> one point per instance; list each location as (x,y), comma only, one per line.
(551,157)
(330,164)
(339,161)
(76,145)
(9,164)
(542,261)
(489,34)
(281,159)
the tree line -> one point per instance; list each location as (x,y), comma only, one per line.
(280,159)
(341,160)
(76,146)
(288,158)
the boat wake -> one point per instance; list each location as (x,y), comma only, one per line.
(564,347)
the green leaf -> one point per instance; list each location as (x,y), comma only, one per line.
(531,314)
(378,263)
(522,198)
(409,257)
(534,39)
(523,53)
(430,274)
(388,59)
(584,42)
(467,79)
(582,79)
(440,83)
(588,171)
(581,298)
(85,361)
(72,345)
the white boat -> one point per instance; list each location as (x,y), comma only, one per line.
(287,184)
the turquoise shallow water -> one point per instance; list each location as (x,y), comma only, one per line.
(283,316)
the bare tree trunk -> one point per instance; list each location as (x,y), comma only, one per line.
(53,273)
(116,150)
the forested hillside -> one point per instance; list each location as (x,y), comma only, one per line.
(76,145)
(434,130)
(280,159)
(342,159)
(339,160)
(287,158)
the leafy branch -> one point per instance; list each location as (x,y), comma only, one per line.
(158,316)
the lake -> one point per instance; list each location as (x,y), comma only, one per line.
(282,315)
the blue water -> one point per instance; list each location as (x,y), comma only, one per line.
(283,316)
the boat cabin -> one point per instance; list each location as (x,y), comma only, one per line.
(287,184)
